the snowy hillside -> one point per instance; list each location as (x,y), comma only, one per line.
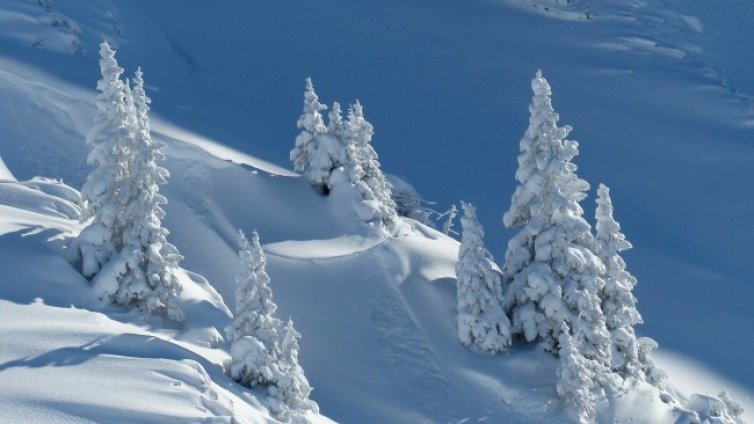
(656,92)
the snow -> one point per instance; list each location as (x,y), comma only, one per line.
(659,101)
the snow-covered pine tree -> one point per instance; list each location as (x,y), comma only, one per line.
(254,330)
(482,323)
(577,382)
(364,169)
(148,277)
(263,351)
(292,388)
(552,274)
(316,153)
(618,303)
(101,239)
(335,125)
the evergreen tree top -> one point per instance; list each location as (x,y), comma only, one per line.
(358,109)
(470,222)
(108,64)
(290,347)
(608,229)
(548,183)
(141,99)
(359,128)
(336,126)
(311,118)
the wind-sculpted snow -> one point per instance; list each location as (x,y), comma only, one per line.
(657,93)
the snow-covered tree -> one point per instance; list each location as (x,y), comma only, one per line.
(618,303)
(577,382)
(335,125)
(264,352)
(482,323)
(124,249)
(316,153)
(292,388)
(552,274)
(364,169)
(101,239)
(450,216)
(148,277)
(254,330)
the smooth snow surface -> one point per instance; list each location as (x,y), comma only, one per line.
(656,92)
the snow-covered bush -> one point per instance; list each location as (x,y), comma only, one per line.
(733,408)
(264,352)
(316,153)
(482,323)
(553,276)
(706,409)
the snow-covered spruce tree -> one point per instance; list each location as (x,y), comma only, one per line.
(482,323)
(335,125)
(254,330)
(148,275)
(618,303)
(316,153)
(550,270)
(577,382)
(292,388)
(101,239)
(364,169)
(260,355)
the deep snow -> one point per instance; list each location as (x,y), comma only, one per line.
(656,92)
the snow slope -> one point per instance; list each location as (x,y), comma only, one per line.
(654,90)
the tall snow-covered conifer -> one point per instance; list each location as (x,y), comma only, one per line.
(101,239)
(553,276)
(254,330)
(292,388)
(148,277)
(482,323)
(316,153)
(365,172)
(264,352)
(335,125)
(124,249)
(618,303)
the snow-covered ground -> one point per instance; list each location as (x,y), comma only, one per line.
(656,91)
